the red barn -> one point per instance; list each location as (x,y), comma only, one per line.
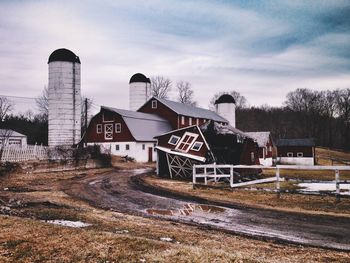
(125,132)
(178,114)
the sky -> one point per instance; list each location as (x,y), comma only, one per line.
(262,49)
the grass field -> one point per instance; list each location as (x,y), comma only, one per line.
(28,199)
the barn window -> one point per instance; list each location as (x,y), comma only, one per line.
(143,146)
(190,121)
(117,147)
(99,128)
(154,104)
(186,141)
(289,154)
(108,131)
(154,147)
(118,128)
(174,140)
(183,120)
(197,122)
(197,146)
(252,157)
(300,154)
(127,147)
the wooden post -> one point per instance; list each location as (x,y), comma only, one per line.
(337,188)
(278,183)
(194,177)
(231,176)
(215,173)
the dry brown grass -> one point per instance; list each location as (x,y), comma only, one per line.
(116,237)
(287,202)
(324,156)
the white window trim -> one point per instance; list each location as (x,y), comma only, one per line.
(290,154)
(120,127)
(182,120)
(154,104)
(197,122)
(190,121)
(195,136)
(109,132)
(200,146)
(97,128)
(103,118)
(300,154)
(174,136)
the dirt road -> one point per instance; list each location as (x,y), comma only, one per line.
(116,191)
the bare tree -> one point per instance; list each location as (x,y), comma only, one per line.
(5,134)
(343,112)
(42,103)
(6,106)
(241,101)
(86,105)
(160,87)
(185,94)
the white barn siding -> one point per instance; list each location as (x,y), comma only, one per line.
(296,160)
(135,150)
(64,103)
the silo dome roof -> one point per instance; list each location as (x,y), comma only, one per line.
(225,98)
(139,77)
(63,54)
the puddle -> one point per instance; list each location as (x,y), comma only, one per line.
(186,210)
(319,187)
(75,224)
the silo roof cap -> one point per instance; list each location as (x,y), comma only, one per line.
(225,98)
(63,54)
(139,77)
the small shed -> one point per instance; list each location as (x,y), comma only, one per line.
(296,151)
(12,138)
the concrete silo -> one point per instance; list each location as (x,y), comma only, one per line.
(139,91)
(225,106)
(64,98)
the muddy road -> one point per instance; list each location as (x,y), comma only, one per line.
(116,191)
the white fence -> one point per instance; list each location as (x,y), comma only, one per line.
(214,172)
(24,153)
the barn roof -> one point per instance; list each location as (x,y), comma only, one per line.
(10,133)
(224,129)
(143,126)
(308,142)
(191,111)
(262,138)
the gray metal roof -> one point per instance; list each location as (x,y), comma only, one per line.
(143,126)
(191,111)
(309,142)
(261,138)
(10,133)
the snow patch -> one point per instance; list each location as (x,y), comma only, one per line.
(166,239)
(76,224)
(317,187)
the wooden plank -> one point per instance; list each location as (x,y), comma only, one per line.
(259,181)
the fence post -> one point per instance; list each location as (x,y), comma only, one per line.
(231,176)
(194,176)
(278,183)
(215,179)
(337,188)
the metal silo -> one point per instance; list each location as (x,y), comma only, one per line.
(64,98)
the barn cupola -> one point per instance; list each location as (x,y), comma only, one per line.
(64,98)
(139,91)
(225,106)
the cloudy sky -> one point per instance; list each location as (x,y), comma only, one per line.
(262,49)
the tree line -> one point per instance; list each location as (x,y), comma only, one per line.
(322,115)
